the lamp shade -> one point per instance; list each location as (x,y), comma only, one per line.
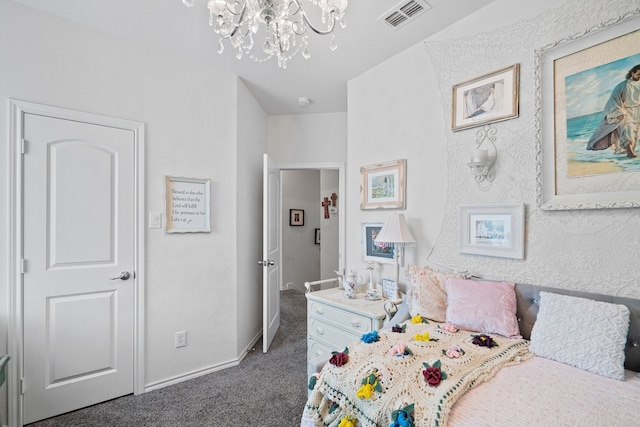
(395,230)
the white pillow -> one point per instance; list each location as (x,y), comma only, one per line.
(587,334)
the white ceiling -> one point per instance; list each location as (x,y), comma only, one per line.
(364,43)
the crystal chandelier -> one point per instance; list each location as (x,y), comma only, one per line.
(285,23)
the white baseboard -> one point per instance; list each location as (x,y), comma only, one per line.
(200,372)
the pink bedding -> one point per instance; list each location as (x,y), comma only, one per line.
(541,392)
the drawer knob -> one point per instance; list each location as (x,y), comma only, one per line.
(320,331)
(355,323)
(319,311)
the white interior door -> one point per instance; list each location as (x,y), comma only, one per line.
(270,252)
(78,247)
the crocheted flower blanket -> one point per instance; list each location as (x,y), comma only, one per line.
(427,365)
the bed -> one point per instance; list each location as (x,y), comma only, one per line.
(470,352)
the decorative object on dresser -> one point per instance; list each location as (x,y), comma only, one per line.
(383,185)
(350,284)
(486,99)
(492,230)
(583,159)
(395,232)
(334,322)
(373,293)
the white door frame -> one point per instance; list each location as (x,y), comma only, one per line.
(17,109)
(340,167)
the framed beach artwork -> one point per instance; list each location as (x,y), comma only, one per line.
(493,230)
(588,128)
(383,185)
(486,99)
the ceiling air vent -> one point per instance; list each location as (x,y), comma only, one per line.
(404,12)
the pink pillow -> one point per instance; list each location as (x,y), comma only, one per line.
(482,306)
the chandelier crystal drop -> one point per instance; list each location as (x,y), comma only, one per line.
(285,25)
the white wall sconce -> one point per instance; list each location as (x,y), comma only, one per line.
(484,155)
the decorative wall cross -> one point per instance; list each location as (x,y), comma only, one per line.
(325,205)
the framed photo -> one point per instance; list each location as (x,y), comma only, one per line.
(188,205)
(584,160)
(383,185)
(373,252)
(493,230)
(296,217)
(388,289)
(317,236)
(486,99)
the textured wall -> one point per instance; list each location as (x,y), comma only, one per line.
(592,250)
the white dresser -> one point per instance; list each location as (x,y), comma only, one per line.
(333,322)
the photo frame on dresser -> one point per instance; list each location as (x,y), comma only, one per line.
(582,163)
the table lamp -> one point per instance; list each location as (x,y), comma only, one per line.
(395,232)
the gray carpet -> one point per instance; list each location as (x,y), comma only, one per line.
(263,390)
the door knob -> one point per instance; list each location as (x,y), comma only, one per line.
(125,275)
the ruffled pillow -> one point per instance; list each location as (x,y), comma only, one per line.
(428,294)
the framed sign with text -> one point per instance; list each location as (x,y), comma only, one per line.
(188,204)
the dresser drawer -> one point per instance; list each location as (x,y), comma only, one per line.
(316,348)
(330,335)
(346,320)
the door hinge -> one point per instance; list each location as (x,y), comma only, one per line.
(23,266)
(22,386)
(23,147)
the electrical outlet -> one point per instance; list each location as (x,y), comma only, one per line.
(181,339)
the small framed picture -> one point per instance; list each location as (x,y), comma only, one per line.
(388,288)
(296,217)
(376,252)
(493,230)
(383,185)
(317,236)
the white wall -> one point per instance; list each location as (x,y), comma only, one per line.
(401,109)
(250,149)
(308,138)
(300,255)
(329,227)
(193,281)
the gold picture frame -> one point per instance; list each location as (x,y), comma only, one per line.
(490,98)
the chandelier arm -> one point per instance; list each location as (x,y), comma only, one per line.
(317,31)
(237,26)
